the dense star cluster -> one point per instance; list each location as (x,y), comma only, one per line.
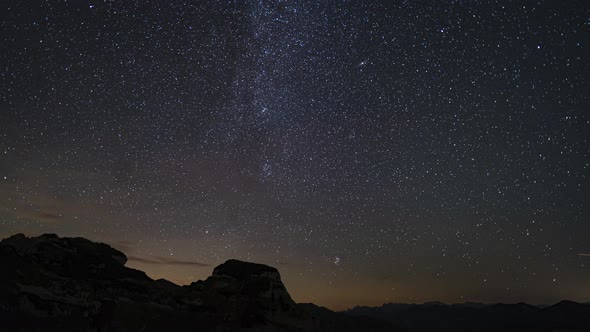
(373,151)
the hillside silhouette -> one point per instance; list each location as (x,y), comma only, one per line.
(50,283)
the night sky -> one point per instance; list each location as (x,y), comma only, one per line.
(397,151)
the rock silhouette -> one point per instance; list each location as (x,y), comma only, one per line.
(50,283)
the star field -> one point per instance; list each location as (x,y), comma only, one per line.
(400,151)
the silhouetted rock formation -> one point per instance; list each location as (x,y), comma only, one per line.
(247,291)
(50,283)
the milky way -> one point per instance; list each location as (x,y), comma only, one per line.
(398,151)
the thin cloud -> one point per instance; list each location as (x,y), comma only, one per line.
(48,216)
(165,261)
(126,247)
(587,255)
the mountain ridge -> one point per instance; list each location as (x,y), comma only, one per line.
(564,315)
(52,283)
(66,284)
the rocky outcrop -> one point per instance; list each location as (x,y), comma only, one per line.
(247,292)
(257,282)
(76,258)
(50,283)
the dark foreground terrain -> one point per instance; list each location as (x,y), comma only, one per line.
(436,316)
(50,283)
